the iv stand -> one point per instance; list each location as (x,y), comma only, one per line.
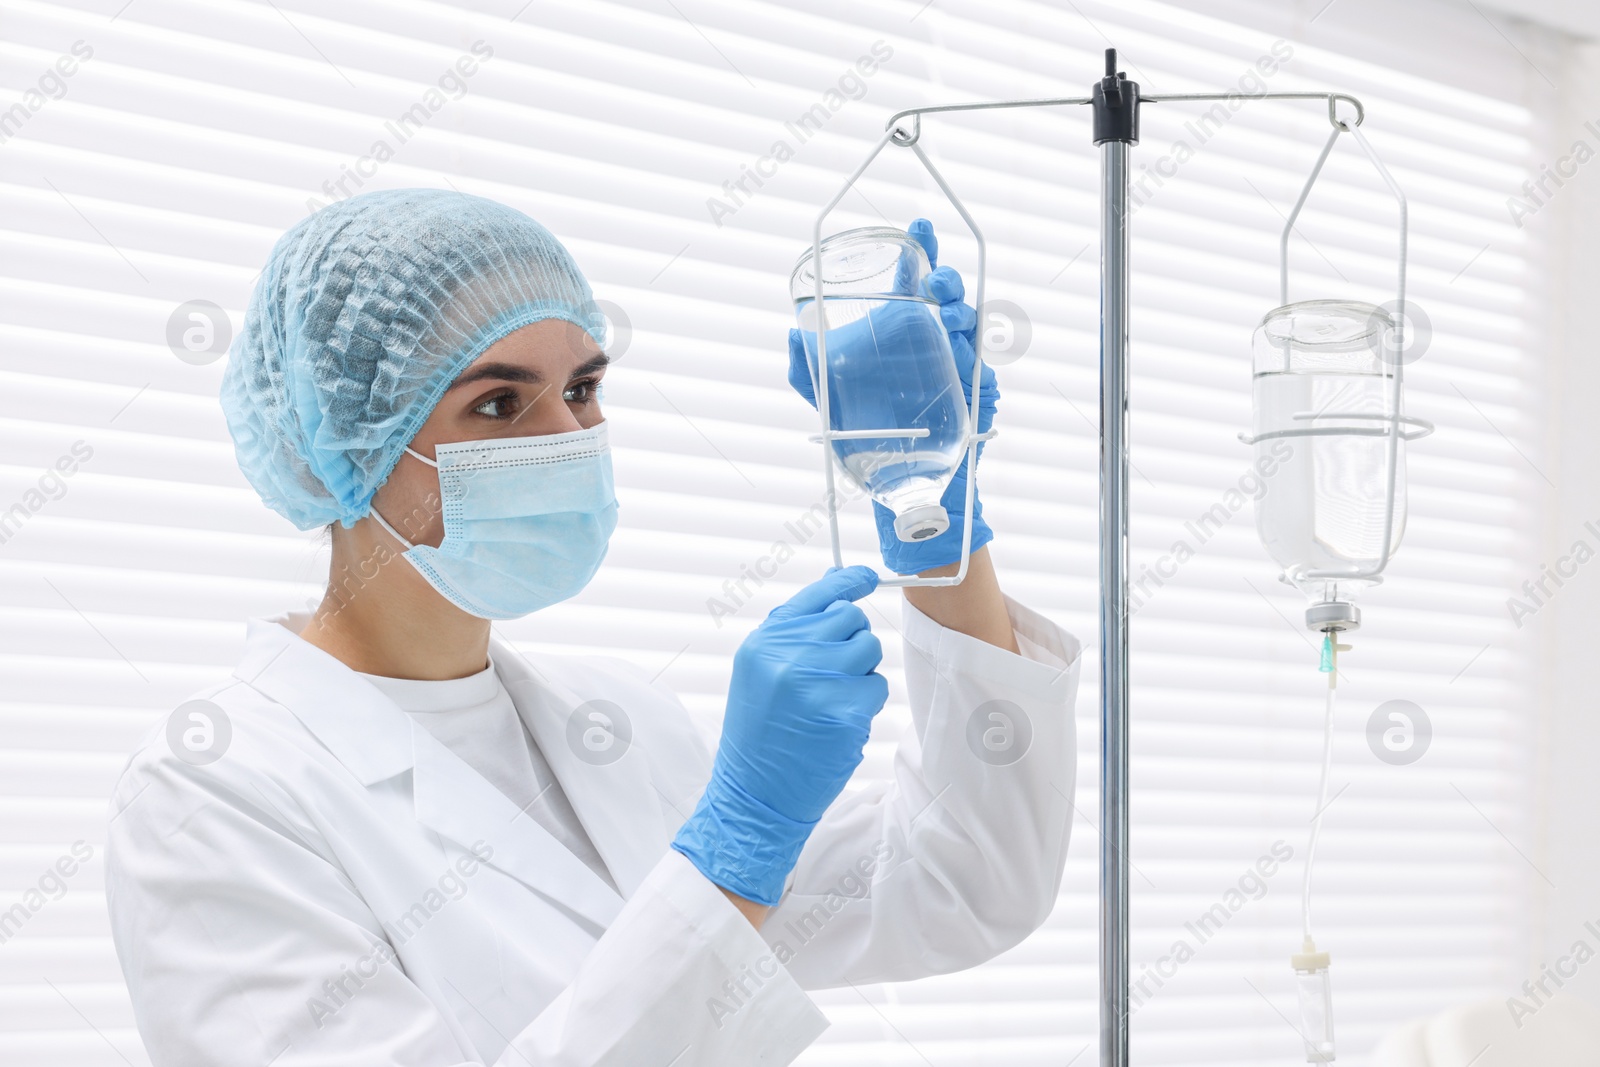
(1116,131)
(1115,102)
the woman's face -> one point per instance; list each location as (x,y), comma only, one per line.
(541,379)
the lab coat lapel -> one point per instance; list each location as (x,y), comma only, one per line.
(461,804)
(614,797)
(375,740)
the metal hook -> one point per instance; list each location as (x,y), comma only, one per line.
(1333,110)
(899,136)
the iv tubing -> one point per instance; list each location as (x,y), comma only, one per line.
(1322,789)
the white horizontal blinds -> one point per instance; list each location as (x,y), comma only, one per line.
(1226,694)
(197,132)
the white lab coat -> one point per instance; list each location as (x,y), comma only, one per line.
(340,888)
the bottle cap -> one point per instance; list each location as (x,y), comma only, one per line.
(1333,616)
(921,522)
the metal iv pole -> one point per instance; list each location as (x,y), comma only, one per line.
(1116,131)
(1115,102)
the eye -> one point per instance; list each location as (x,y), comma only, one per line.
(502,405)
(584,391)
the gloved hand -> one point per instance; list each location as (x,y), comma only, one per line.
(800,706)
(960,322)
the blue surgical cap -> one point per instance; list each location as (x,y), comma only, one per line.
(365,313)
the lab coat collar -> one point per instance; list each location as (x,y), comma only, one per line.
(617,802)
(358,724)
(375,740)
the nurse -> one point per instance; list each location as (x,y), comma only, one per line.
(390,838)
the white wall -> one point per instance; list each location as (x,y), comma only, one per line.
(1570,853)
(1578,17)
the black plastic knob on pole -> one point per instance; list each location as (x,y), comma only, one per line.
(1116,105)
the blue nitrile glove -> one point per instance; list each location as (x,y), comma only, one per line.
(800,707)
(960,322)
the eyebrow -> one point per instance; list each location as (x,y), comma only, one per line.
(515,372)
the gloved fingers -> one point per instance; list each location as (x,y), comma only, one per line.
(875,694)
(833,624)
(800,368)
(991,384)
(958,318)
(852,700)
(836,695)
(921,231)
(965,356)
(961,347)
(840,583)
(890,320)
(859,655)
(837,660)
(906,272)
(945,286)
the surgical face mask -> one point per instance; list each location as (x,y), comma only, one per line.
(526,521)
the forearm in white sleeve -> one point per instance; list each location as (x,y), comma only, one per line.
(960,855)
(681,978)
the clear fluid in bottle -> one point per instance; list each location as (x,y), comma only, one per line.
(1323,505)
(890,367)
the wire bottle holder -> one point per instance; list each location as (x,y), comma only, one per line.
(1396,426)
(820,382)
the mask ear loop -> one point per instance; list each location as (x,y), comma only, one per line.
(430,462)
(373,511)
(392,531)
